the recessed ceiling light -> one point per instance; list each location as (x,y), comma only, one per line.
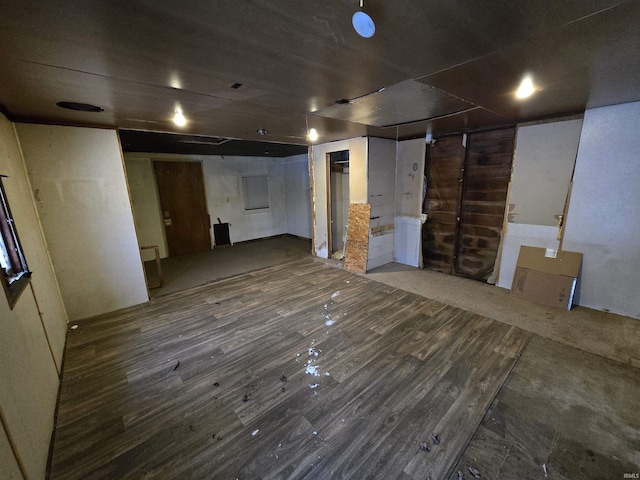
(80,107)
(313,135)
(262,131)
(179,119)
(526,88)
(174,81)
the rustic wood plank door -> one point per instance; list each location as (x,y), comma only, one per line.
(184,207)
(484,194)
(465,202)
(444,169)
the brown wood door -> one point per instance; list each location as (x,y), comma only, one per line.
(484,194)
(444,169)
(184,207)
(465,202)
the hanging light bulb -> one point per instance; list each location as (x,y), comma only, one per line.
(363,23)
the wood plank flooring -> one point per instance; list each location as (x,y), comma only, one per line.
(562,414)
(296,371)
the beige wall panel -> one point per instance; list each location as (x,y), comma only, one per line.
(29,376)
(78,179)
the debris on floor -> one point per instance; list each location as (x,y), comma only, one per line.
(255,432)
(329,321)
(435,439)
(474,472)
(312,370)
(177,365)
(544,469)
(460,475)
(314,385)
(74,326)
(424,447)
(283,378)
(216,384)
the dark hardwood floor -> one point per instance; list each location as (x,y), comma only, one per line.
(296,371)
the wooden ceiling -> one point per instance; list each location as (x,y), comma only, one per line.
(438,66)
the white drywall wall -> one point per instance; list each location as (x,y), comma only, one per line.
(79,184)
(409,184)
(358,170)
(297,195)
(358,185)
(542,167)
(146,205)
(410,177)
(382,197)
(543,163)
(29,373)
(224,195)
(603,221)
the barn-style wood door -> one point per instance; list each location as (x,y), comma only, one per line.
(184,207)
(465,202)
(444,170)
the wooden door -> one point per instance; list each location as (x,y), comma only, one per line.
(484,194)
(184,207)
(465,202)
(444,169)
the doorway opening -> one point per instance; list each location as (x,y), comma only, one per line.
(339,202)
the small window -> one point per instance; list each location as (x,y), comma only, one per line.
(255,192)
(15,273)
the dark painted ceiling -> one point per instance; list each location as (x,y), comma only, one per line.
(139,141)
(436,66)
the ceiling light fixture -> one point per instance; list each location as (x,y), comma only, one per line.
(363,23)
(262,131)
(526,88)
(174,81)
(179,119)
(313,135)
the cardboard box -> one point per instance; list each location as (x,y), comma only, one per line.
(546,276)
